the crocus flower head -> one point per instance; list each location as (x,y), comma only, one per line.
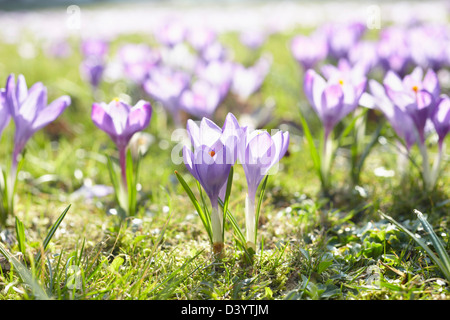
(258,152)
(171,33)
(308,51)
(342,37)
(120,120)
(415,94)
(253,39)
(441,118)
(166,85)
(29,110)
(214,152)
(393,50)
(246,81)
(218,73)
(4,111)
(334,98)
(137,60)
(200,37)
(94,47)
(201,99)
(400,121)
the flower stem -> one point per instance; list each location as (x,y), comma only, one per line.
(427,179)
(326,161)
(216,223)
(250,221)
(123,166)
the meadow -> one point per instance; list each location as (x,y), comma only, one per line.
(351,238)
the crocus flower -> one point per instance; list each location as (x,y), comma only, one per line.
(218,73)
(210,161)
(121,121)
(415,94)
(4,112)
(94,48)
(29,110)
(308,51)
(167,85)
(393,50)
(94,53)
(342,37)
(201,99)
(252,39)
(334,98)
(441,118)
(137,60)
(246,81)
(200,37)
(258,152)
(214,52)
(171,33)
(363,55)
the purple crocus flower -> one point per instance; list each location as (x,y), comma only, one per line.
(252,39)
(415,94)
(137,60)
(29,110)
(213,52)
(400,121)
(342,37)
(334,98)
(167,85)
(441,118)
(4,112)
(94,53)
(393,50)
(121,121)
(308,51)
(201,99)
(210,161)
(171,33)
(363,55)
(246,81)
(258,152)
(218,73)
(200,37)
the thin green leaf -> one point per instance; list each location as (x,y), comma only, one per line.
(25,275)
(203,217)
(427,249)
(436,241)
(131,184)
(315,155)
(258,208)
(114,179)
(51,233)
(20,233)
(226,200)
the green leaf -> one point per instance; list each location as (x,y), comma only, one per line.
(226,200)
(204,218)
(25,275)
(131,184)
(114,179)
(427,249)
(437,243)
(20,233)
(51,233)
(258,208)
(315,155)
(115,264)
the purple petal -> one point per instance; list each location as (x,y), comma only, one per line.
(51,112)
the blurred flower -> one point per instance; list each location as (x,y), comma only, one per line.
(200,37)
(393,50)
(137,60)
(201,99)
(252,39)
(167,85)
(429,46)
(29,110)
(214,51)
(308,51)
(218,73)
(415,95)
(363,56)
(170,33)
(4,112)
(140,143)
(246,81)
(441,118)
(94,47)
(94,53)
(342,37)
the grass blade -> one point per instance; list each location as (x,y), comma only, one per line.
(20,233)
(427,249)
(258,208)
(25,275)
(315,155)
(51,233)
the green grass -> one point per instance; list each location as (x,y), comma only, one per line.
(313,247)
